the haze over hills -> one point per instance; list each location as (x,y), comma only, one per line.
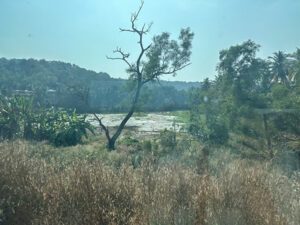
(68,85)
(54,73)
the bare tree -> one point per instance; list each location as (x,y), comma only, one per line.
(163,56)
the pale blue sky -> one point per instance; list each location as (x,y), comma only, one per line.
(83,32)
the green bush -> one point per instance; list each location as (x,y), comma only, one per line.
(214,131)
(67,130)
(168,139)
(128,141)
(147,146)
(16,118)
(219,133)
(19,120)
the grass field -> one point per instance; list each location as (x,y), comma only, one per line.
(86,184)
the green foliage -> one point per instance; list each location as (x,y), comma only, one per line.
(19,120)
(68,82)
(128,141)
(251,98)
(162,57)
(68,86)
(16,118)
(167,139)
(279,67)
(165,56)
(214,131)
(286,104)
(205,121)
(147,146)
(63,129)
(181,116)
(154,97)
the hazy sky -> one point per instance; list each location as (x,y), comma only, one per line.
(83,32)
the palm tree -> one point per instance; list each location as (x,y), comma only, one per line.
(279,68)
(295,67)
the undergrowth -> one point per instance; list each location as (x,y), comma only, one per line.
(219,190)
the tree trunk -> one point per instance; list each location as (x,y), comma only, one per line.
(111,141)
(111,144)
(265,118)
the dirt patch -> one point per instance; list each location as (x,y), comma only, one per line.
(151,123)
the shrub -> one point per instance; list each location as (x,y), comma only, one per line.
(19,120)
(128,141)
(147,146)
(65,129)
(16,118)
(214,131)
(167,139)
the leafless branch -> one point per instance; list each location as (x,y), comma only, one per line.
(140,32)
(100,121)
(124,57)
(134,17)
(102,125)
(148,28)
(145,29)
(126,30)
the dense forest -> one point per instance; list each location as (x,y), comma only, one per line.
(66,85)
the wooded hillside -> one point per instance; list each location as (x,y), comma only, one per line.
(60,84)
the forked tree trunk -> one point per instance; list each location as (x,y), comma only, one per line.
(112,140)
(111,144)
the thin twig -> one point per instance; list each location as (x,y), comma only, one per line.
(124,57)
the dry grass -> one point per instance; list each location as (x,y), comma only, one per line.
(33,191)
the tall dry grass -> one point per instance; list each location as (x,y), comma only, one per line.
(240,192)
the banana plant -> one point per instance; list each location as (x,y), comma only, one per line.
(19,120)
(16,117)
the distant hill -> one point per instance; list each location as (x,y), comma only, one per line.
(179,85)
(29,73)
(67,85)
